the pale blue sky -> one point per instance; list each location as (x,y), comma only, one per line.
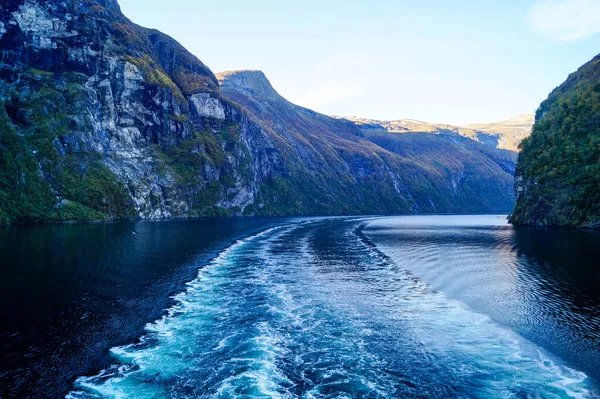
(446,61)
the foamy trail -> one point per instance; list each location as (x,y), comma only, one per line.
(314,311)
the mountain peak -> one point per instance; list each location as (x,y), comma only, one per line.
(244,72)
(250,81)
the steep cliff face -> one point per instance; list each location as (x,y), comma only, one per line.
(376,171)
(557,178)
(104,119)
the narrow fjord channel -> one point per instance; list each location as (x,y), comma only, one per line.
(411,307)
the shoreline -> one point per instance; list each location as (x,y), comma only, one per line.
(254,217)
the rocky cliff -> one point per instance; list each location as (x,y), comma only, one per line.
(375,171)
(103,119)
(557,177)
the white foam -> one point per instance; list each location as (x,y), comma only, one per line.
(308,308)
(106,382)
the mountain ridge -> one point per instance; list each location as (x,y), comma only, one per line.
(284,117)
(506,134)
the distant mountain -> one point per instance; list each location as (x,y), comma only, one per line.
(370,171)
(103,119)
(506,134)
(558,173)
(510,132)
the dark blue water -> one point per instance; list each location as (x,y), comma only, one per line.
(410,307)
(70,292)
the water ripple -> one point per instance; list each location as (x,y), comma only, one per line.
(316,310)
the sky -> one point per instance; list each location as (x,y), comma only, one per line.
(438,61)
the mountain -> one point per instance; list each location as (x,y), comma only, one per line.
(506,134)
(103,119)
(384,172)
(510,132)
(557,177)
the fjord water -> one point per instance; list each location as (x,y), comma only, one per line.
(422,307)
(70,292)
(336,308)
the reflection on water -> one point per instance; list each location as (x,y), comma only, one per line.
(565,266)
(542,283)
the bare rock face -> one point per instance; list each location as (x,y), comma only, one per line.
(129,107)
(204,105)
(253,83)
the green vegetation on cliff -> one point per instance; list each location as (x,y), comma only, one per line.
(37,182)
(24,195)
(558,171)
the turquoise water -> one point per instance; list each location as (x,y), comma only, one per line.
(318,310)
